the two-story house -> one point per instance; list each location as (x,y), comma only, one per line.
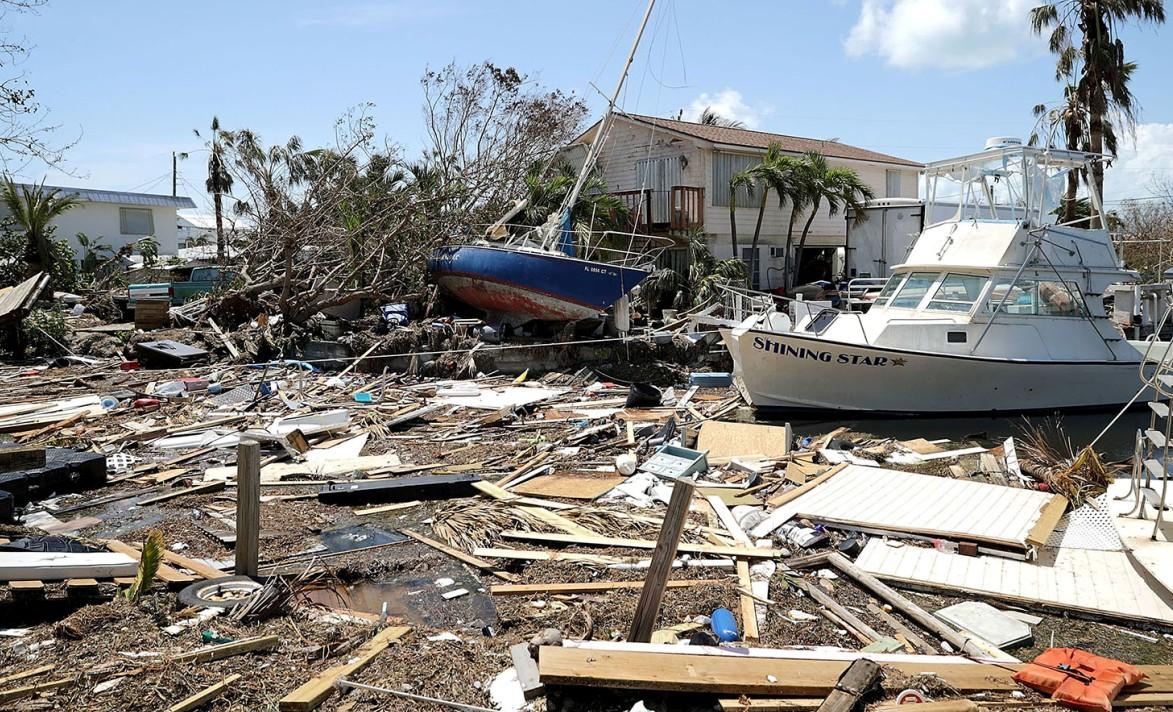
(675,176)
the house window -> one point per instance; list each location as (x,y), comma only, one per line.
(137,221)
(892,184)
(725,166)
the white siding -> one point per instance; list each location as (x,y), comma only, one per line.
(629,143)
(101,221)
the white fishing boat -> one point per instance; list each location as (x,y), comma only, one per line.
(996,307)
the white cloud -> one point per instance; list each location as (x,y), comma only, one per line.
(945,34)
(1150,158)
(728,104)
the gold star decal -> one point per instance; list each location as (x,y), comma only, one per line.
(899,361)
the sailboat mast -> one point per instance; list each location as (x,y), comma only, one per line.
(597,142)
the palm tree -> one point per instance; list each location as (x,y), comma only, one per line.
(775,171)
(705,275)
(1095,68)
(33,208)
(709,117)
(219,181)
(741,180)
(1071,117)
(839,187)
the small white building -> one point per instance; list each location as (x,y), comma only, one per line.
(675,175)
(116,218)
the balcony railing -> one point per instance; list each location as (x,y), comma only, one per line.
(687,207)
(681,207)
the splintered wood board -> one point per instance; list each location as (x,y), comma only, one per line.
(725,439)
(905,502)
(670,672)
(570,485)
(1101,583)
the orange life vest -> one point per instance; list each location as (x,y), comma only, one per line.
(1077,679)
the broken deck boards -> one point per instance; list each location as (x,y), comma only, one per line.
(877,499)
(1099,583)
(711,549)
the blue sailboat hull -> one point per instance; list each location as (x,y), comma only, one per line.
(522,285)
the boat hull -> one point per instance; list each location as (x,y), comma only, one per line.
(789,371)
(520,286)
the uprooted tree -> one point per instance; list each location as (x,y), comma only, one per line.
(356,221)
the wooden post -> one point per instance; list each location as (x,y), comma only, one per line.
(661,565)
(248,507)
(855,682)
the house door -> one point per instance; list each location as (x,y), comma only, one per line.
(659,175)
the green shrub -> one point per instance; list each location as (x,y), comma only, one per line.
(45,333)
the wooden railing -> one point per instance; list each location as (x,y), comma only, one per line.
(639,205)
(687,207)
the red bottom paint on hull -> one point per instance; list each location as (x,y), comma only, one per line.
(512,302)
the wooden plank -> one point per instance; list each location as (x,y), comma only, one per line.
(590,587)
(942,706)
(783,497)
(768,704)
(317,690)
(232,351)
(26,674)
(727,439)
(1049,516)
(199,567)
(521,555)
(387,508)
(671,672)
(204,488)
(750,552)
(227,650)
(527,671)
(902,630)
(55,566)
(21,458)
(855,682)
(498,492)
(18,692)
(26,585)
(248,508)
(461,556)
(570,485)
(204,696)
(749,610)
(81,585)
(665,547)
(165,572)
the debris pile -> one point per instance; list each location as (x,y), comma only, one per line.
(272,536)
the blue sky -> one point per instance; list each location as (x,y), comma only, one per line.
(922,79)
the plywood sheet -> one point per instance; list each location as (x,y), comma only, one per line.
(1151,546)
(906,502)
(571,485)
(723,439)
(1103,583)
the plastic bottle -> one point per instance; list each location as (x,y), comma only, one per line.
(725,626)
(626,463)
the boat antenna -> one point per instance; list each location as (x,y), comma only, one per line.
(604,126)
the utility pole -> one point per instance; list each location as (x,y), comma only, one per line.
(174,176)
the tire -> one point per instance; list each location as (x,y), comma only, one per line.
(202,594)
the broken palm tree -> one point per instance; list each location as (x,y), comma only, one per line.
(148,566)
(1046,454)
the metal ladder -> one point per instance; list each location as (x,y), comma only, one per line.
(1151,457)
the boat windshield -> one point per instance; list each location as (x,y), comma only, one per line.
(1014,184)
(1035,297)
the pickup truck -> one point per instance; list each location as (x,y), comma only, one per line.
(185,285)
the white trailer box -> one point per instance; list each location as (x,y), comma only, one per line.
(883,237)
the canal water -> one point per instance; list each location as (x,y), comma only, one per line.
(1081,428)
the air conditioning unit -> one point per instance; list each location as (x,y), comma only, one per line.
(777,253)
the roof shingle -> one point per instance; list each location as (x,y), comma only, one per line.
(761,139)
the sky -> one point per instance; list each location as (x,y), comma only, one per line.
(920,79)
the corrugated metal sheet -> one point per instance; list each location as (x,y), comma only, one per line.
(121,198)
(725,166)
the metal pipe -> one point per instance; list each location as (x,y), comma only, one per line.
(1002,302)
